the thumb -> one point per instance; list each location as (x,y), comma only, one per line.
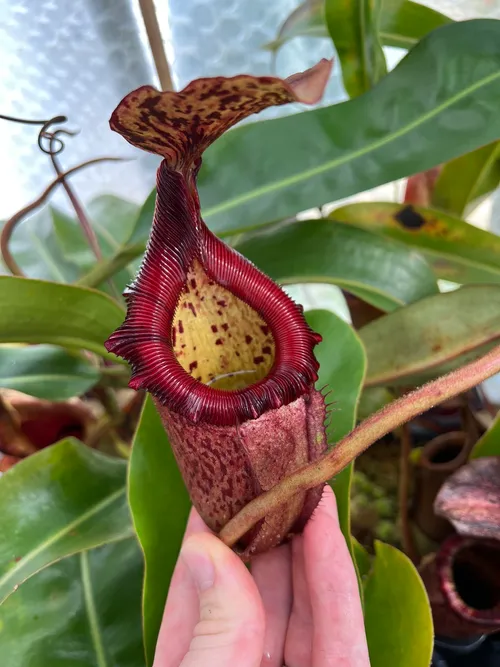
(230,630)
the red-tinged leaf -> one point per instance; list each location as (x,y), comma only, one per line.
(419,187)
(470,499)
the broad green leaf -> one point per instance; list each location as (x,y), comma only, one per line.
(71,240)
(373,399)
(62,500)
(439,102)
(398,617)
(353,27)
(160,506)
(34,311)
(46,371)
(402,24)
(457,251)
(489,443)
(342,366)
(432,336)
(84,611)
(379,271)
(142,227)
(35,248)
(467,179)
(363,558)
(113,220)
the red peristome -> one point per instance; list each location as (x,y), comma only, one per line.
(445,559)
(179,238)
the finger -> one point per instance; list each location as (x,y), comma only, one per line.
(339,633)
(231,625)
(182,608)
(299,637)
(272,573)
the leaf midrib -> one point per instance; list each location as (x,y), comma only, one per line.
(45,256)
(331,164)
(48,542)
(450,256)
(90,607)
(50,378)
(419,366)
(63,341)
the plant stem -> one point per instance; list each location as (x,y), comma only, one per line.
(376,426)
(403,492)
(10,225)
(87,228)
(78,208)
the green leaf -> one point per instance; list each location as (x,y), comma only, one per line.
(398,617)
(489,443)
(342,366)
(353,27)
(62,500)
(160,506)
(432,336)
(82,611)
(402,24)
(467,179)
(40,312)
(373,399)
(457,251)
(144,221)
(71,239)
(46,371)
(113,220)
(439,102)
(377,270)
(363,558)
(35,248)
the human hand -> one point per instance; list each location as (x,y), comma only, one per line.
(299,607)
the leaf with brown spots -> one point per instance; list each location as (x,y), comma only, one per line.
(456,250)
(430,337)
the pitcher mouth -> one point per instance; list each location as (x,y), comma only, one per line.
(469,578)
(207,333)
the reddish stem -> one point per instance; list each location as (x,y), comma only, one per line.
(372,429)
(78,208)
(10,225)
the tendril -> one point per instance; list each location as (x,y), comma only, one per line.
(55,145)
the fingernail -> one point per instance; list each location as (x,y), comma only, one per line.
(199,563)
